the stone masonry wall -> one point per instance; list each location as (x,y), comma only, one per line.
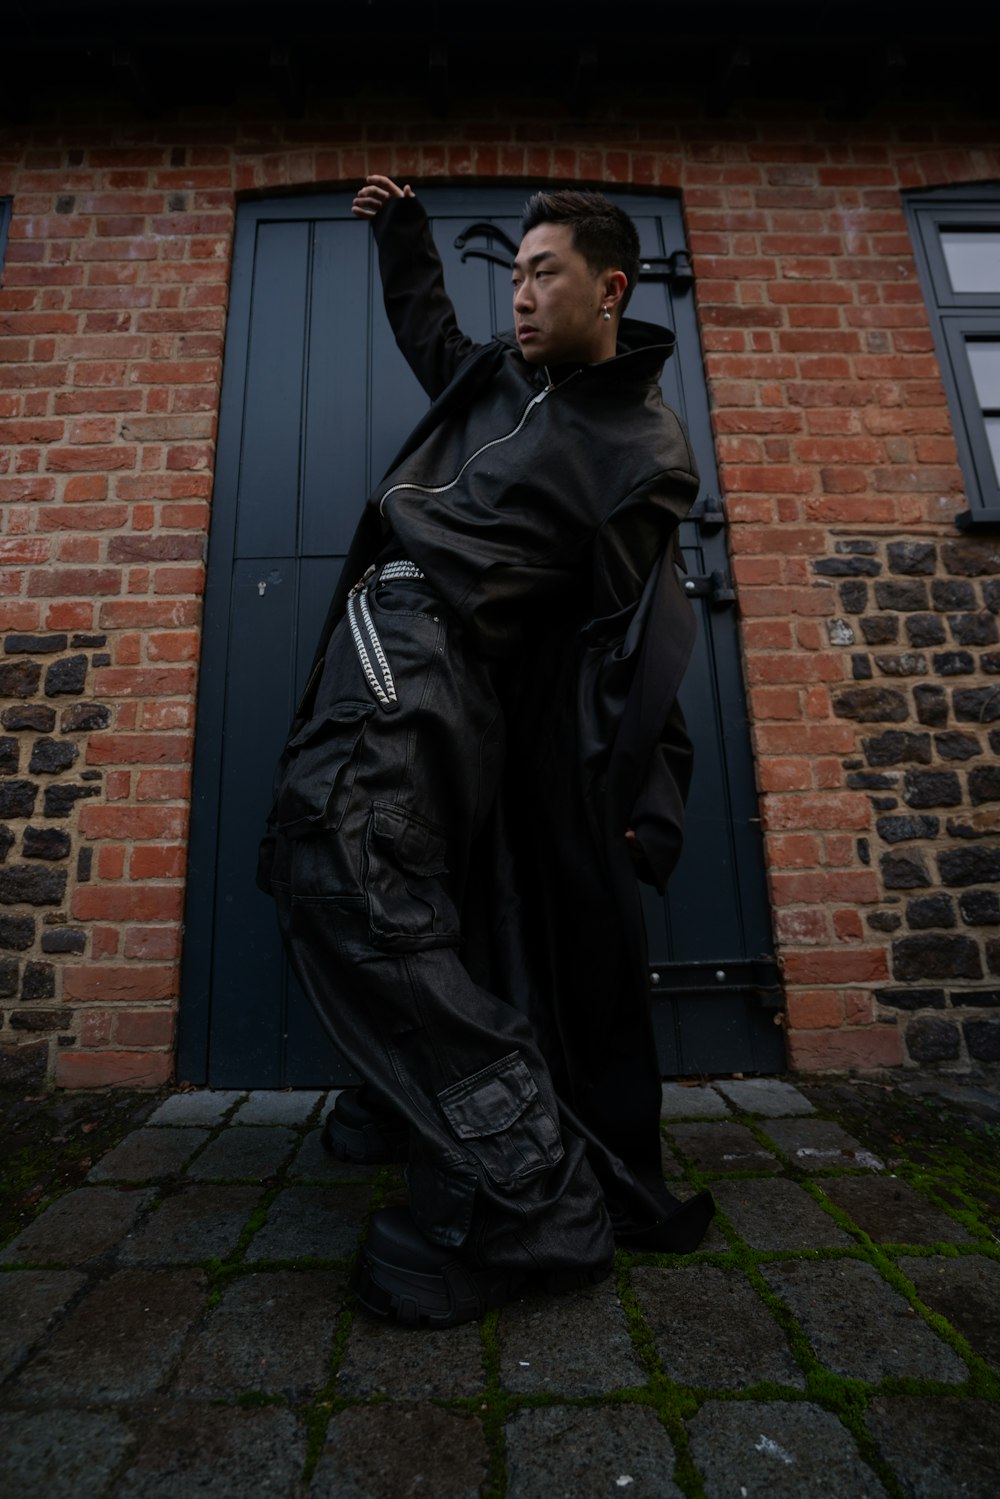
(869,624)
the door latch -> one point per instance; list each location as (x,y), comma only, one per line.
(713,586)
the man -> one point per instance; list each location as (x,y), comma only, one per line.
(487,751)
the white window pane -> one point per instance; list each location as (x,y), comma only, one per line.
(984,361)
(993,437)
(973,259)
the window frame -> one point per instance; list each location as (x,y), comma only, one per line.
(954,316)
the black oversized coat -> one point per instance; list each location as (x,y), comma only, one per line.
(558,556)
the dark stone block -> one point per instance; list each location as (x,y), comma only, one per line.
(932,788)
(906,871)
(66,676)
(982,1037)
(84,716)
(984,784)
(989,662)
(974,629)
(101,658)
(971,559)
(39,981)
(855,548)
(854,597)
(870,780)
(27,645)
(885,921)
(993,955)
(17,798)
(976,825)
(45,843)
(24,1067)
(36,1020)
(896,746)
(60,800)
(871,704)
(906,597)
(9,754)
(909,664)
(7,841)
(84,864)
(980,907)
(975,998)
(50,756)
(10,970)
(19,678)
(17,933)
(847,567)
(930,911)
(991,597)
(861,668)
(26,884)
(955,746)
(924,629)
(864,849)
(885,803)
(994,738)
(902,829)
(64,939)
(931,704)
(931,1040)
(880,629)
(911,999)
(912,558)
(969,866)
(947,594)
(977,704)
(84,642)
(915,958)
(953,663)
(853,763)
(31,716)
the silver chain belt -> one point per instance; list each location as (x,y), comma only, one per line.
(384,690)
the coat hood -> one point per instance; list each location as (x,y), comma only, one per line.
(643,350)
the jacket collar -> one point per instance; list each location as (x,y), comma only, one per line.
(643,350)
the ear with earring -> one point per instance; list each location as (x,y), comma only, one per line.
(605,314)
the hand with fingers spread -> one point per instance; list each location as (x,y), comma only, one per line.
(375,194)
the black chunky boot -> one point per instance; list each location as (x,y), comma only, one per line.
(353,1131)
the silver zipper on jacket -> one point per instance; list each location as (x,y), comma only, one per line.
(494,442)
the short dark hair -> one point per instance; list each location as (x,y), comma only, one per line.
(602,232)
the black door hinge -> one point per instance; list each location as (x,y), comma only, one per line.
(713,586)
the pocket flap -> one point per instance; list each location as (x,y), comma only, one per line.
(419,846)
(491,1100)
(321,758)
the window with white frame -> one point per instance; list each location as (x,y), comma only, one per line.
(957,236)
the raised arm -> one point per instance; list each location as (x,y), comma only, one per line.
(418,307)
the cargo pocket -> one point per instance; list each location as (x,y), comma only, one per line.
(497,1113)
(408,905)
(322,763)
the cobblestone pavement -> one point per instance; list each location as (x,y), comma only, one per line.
(177,1322)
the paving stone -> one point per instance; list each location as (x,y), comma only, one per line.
(772,1450)
(272,1332)
(712,1329)
(967,1292)
(388,1451)
(193,1224)
(891,1212)
(78,1227)
(669,1163)
(438,1364)
(777,1215)
(120,1341)
(271,1106)
(61,1454)
(723,1147)
(148,1153)
(816,1144)
(570,1345)
(589,1454)
(858,1325)
(938,1447)
(321,1222)
(203,1106)
(221,1451)
(313,1163)
(765,1096)
(30,1300)
(692,1103)
(256,1153)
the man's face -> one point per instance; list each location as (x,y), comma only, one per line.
(558,300)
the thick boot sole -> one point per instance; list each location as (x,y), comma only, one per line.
(679,1233)
(364,1144)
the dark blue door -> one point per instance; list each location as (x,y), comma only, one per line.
(315,401)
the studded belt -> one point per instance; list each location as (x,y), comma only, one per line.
(384,688)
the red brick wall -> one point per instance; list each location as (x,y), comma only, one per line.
(834,441)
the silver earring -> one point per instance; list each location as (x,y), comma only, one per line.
(605,314)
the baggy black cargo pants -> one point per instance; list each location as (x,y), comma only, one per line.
(375,816)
